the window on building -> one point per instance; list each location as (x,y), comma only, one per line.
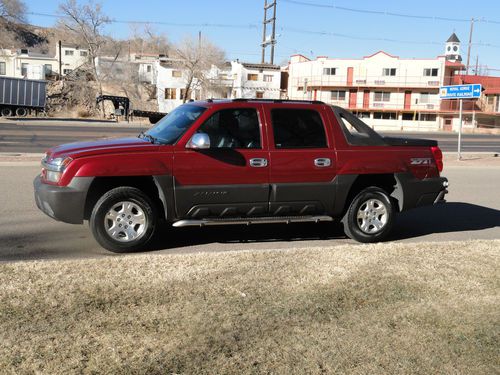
(2,68)
(182,94)
(259,95)
(252,77)
(47,70)
(233,128)
(363,115)
(329,71)
(428,117)
(84,53)
(385,115)
(67,71)
(425,97)
(69,52)
(431,72)
(490,99)
(24,69)
(337,95)
(409,116)
(382,96)
(176,73)
(268,78)
(170,93)
(389,71)
(298,128)
(148,68)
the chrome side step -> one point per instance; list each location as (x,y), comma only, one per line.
(254,220)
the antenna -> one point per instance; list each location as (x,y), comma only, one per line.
(269,39)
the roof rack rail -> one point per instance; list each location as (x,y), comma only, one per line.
(278,101)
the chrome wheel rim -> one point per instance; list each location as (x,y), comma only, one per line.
(372,216)
(125,221)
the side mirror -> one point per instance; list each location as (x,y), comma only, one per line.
(199,141)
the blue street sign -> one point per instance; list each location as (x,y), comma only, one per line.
(460,92)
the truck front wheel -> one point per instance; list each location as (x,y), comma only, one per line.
(123,220)
(370,216)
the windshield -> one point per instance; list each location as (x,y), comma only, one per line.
(170,128)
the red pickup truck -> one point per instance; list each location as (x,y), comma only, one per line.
(240,162)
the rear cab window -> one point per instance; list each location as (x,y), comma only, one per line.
(297,128)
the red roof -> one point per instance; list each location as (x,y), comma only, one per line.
(456,64)
(491,85)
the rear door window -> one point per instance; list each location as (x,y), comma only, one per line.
(298,128)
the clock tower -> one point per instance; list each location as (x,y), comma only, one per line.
(452,49)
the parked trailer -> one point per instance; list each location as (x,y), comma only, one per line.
(19,96)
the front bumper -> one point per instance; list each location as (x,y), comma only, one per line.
(63,203)
(417,193)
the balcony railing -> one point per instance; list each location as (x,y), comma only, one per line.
(358,81)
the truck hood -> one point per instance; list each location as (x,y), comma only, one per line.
(104,146)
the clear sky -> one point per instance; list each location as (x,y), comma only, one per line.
(348,34)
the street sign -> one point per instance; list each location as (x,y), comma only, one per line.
(460,92)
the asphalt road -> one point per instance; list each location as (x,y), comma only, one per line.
(38,135)
(472,212)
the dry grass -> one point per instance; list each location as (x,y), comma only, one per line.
(377,309)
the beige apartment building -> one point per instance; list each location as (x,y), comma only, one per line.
(387,91)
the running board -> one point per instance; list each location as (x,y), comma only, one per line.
(255,220)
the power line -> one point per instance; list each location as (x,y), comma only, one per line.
(163,23)
(289,29)
(387,13)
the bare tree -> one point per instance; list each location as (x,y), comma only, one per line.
(195,58)
(145,39)
(88,21)
(13,10)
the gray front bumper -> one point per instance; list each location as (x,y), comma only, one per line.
(63,203)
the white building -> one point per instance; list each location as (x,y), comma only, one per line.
(230,81)
(261,81)
(72,57)
(24,63)
(387,91)
(171,83)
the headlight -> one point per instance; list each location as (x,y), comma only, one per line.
(53,168)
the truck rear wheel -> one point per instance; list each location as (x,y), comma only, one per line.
(123,220)
(6,112)
(370,216)
(21,111)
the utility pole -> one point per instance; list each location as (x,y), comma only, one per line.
(271,41)
(477,64)
(59,47)
(470,44)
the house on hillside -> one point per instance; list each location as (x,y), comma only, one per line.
(256,81)
(24,63)
(171,83)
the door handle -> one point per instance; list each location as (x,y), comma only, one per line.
(322,162)
(258,162)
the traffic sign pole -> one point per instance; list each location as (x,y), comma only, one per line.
(460,92)
(460,132)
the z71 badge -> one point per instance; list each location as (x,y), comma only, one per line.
(420,161)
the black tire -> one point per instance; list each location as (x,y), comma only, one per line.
(21,111)
(374,225)
(6,112)
(121,242)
